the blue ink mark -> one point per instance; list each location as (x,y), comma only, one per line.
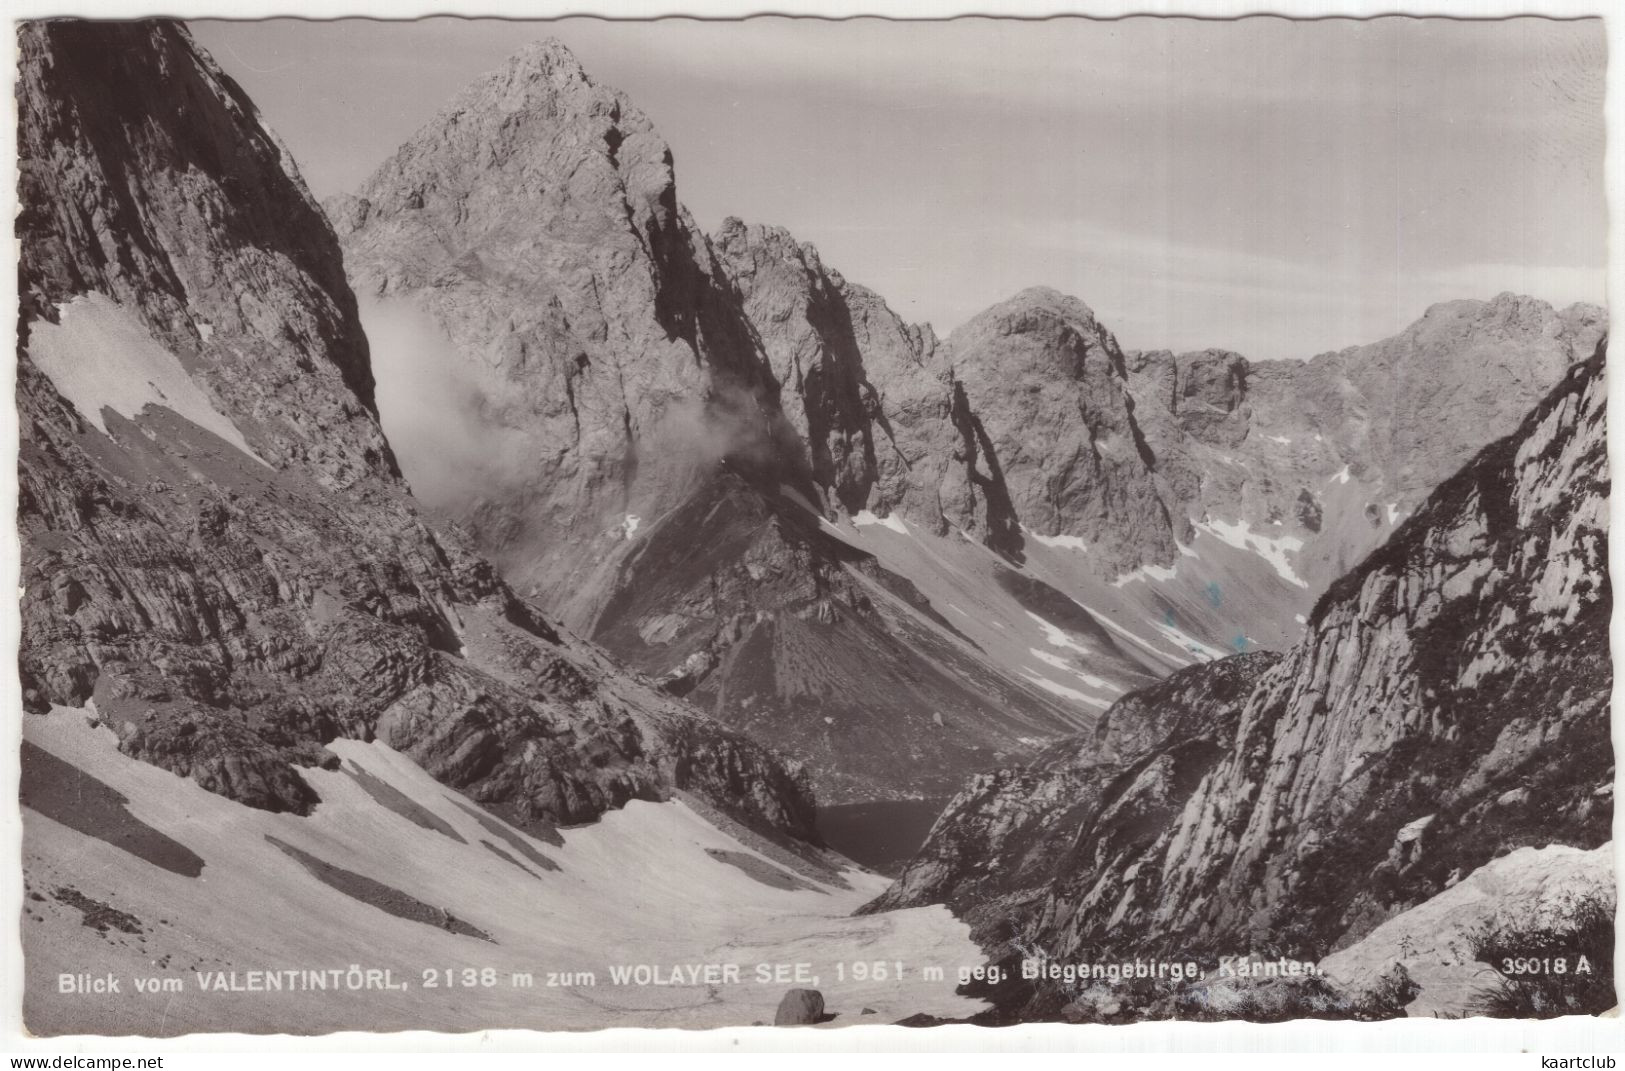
(1240,642)
(1168,618)
(1215,594)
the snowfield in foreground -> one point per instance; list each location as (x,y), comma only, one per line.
(395,872)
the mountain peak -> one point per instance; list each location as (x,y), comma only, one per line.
(542,76)
(734,236)
(537,126)
(549,56)
(1040,309)
(1027,308)
(1502,306)
(1047,297)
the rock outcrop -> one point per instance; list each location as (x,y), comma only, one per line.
(1041,405)
(1086,804)
(217,549)
(1519,902)
(1448,704)
(828,342)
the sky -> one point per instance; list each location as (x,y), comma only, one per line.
(1276,187)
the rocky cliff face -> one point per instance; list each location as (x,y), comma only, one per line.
(1021,419)
(1448,704)
(288,358)
(1046,430)
(216,546)
(828,343)
(1084,804)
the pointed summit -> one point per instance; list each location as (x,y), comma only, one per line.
(541,71)
(1046,382)
(1041,301)
(533,151)
(544,82)
(547,55)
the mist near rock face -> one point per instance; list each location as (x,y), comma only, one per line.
(450,418)
(437,409)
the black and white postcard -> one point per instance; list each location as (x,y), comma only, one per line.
(575,524)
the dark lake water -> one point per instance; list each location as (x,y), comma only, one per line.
(882,836)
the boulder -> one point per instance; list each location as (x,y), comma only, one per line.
(800,1007)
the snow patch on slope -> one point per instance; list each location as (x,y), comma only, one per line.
(1062,542)
(1182,652)
(1058,637)
(101,356)
(1063,691)
(1273,550)
(1147,572)
(865,518)
(1055,660)
(1188,644)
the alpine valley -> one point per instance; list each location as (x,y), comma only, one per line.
(490,567)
